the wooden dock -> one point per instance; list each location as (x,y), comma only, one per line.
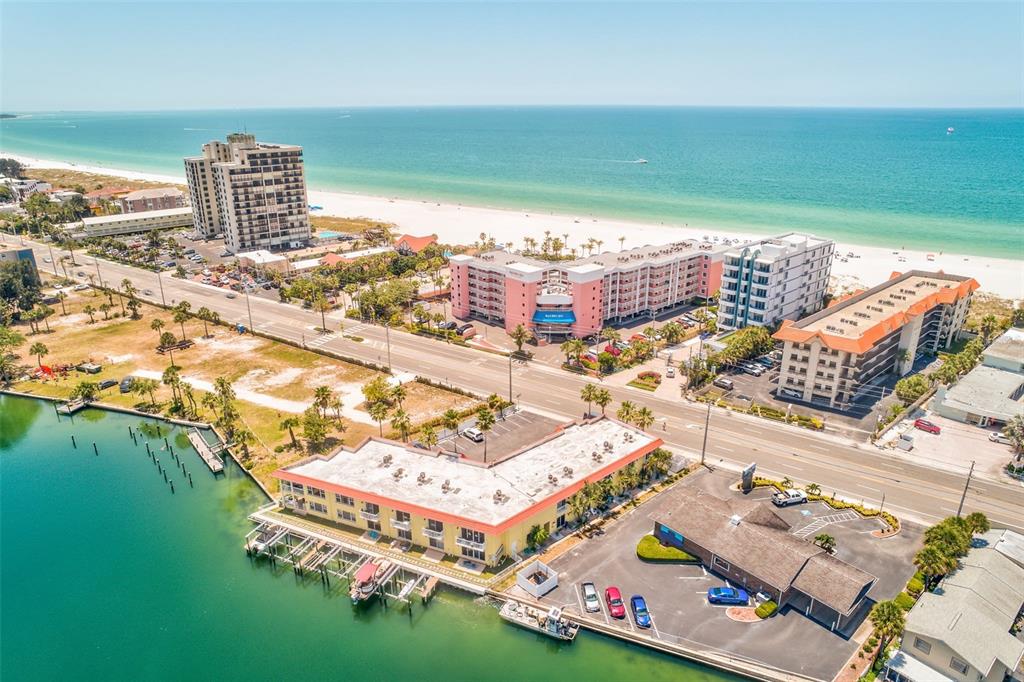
(71,406)
(208,453)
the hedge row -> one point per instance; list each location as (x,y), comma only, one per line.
(767,412)
(867,512)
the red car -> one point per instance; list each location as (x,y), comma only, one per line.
(926,425)
(613,598)
(613,350)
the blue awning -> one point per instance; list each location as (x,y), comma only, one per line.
(554,317)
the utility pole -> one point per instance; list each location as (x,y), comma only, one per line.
(98,275)
(53,261)
(964,496)
(387,336)
(249,309)
(160,281)
(509,377)
(704,447)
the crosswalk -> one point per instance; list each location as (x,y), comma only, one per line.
(821,521)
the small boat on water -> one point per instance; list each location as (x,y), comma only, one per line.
(366,580)
(640,161)
(551,623)
(950,130)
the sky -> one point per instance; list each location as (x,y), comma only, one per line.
(152,55)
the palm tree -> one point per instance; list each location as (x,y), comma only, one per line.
(603,398)
(319,303)
(204,315)
(378,413)
(643,417)
(950,536)
(631,477)
(622,243)
(572,348)
(143,386)
(977,523)
(520,335)
(210,402)
(157,325)
(988,325)
(578,506)
(588,394)
(244,437)
(90,311)
(128,288)
(105,309)
(398,394)
(428,436)
(182,313)
(61,296)
(450,421)
(39,350)
(336,405)
(484,422)
(934,563)
(627,412)
(322,398)
(288,424)
(401,423)
(889,620)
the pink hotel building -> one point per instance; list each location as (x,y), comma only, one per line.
(580,297)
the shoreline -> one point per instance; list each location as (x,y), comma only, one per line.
(463,224)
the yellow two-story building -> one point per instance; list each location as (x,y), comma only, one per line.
(454,505)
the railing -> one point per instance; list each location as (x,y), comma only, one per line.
(401,525)
(469,544)
(369,516)
(435,534)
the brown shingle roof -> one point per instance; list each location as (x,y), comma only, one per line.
(760,544)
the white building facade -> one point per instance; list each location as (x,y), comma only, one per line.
(252,192)
(776,279)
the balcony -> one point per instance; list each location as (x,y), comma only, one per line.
(401,525)
(369,516)
(469,544)
(435,534)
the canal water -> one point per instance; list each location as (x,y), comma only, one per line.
(107,575)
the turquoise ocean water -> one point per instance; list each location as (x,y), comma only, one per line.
(873,177)
(105,575)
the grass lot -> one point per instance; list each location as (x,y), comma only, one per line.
(90,181)
(649,549)
(280,377)
(983,304)
(346,225)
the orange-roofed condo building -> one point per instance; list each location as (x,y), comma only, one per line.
(467,509)
(832,357)
(579,297)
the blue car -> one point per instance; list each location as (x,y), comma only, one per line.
(728,595)
(641,615)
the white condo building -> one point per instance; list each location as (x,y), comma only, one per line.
(252,192)
(782,278)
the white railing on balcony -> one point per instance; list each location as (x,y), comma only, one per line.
(369,516)
(401,525)
(463,542)
(436,534)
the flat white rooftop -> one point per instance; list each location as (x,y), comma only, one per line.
(261,256)
(451,485)
(181,212)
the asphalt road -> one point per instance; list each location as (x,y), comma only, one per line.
(856,471)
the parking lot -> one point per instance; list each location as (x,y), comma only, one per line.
(676,594)
(506,437)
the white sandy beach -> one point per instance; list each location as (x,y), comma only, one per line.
(455,223)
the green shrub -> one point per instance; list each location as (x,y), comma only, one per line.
(766,610)
(904,601)
(915,587)
(650,549)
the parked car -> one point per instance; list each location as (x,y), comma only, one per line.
(107,383)
(126,384)
(474,434)
(589,357)
(641,616)
(613,598)
(752,369)
(464,328)
(784,498)
(670,372)
(723,383)
(80,287)
(80,273)
(612,350)
(927,426)
(189,252)
(591,602)
(448,325)
(169,264)
(728,595)
(766,361)
(147,292)
(998,437)
(232,294)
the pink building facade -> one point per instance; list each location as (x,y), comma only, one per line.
(579,298)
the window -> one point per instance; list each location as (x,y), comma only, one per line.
(373,525)
(405,535)
(344,499)
(471,535)
(346,515)
(435,525)
(473,553)
(318,507)
(922,645)
(436,543)
(316,492)
(402,516)
(958,665)
(721,564)
(560,521)
(297,488)
(371,508)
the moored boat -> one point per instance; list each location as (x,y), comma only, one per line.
(364,584)
(550,623)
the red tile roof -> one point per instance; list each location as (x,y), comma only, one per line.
(415,244)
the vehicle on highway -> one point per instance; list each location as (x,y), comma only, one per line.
(998,437)
(46,259)
(641,616)
(80,273)
(670,372)
(80,287)
(591,602)
(475,435)
(723,383)
(107,383)
(728,595)
(784,498)
(613,598)
(147,292)
(126,384)
(927,426)
(232,294)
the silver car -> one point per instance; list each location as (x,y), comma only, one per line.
(591,602)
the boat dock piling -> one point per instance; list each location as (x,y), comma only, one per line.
(210,454)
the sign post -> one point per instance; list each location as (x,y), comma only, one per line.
(748,477)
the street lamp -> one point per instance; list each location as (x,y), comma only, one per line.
(510,377)
(704,447)
(249,309)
